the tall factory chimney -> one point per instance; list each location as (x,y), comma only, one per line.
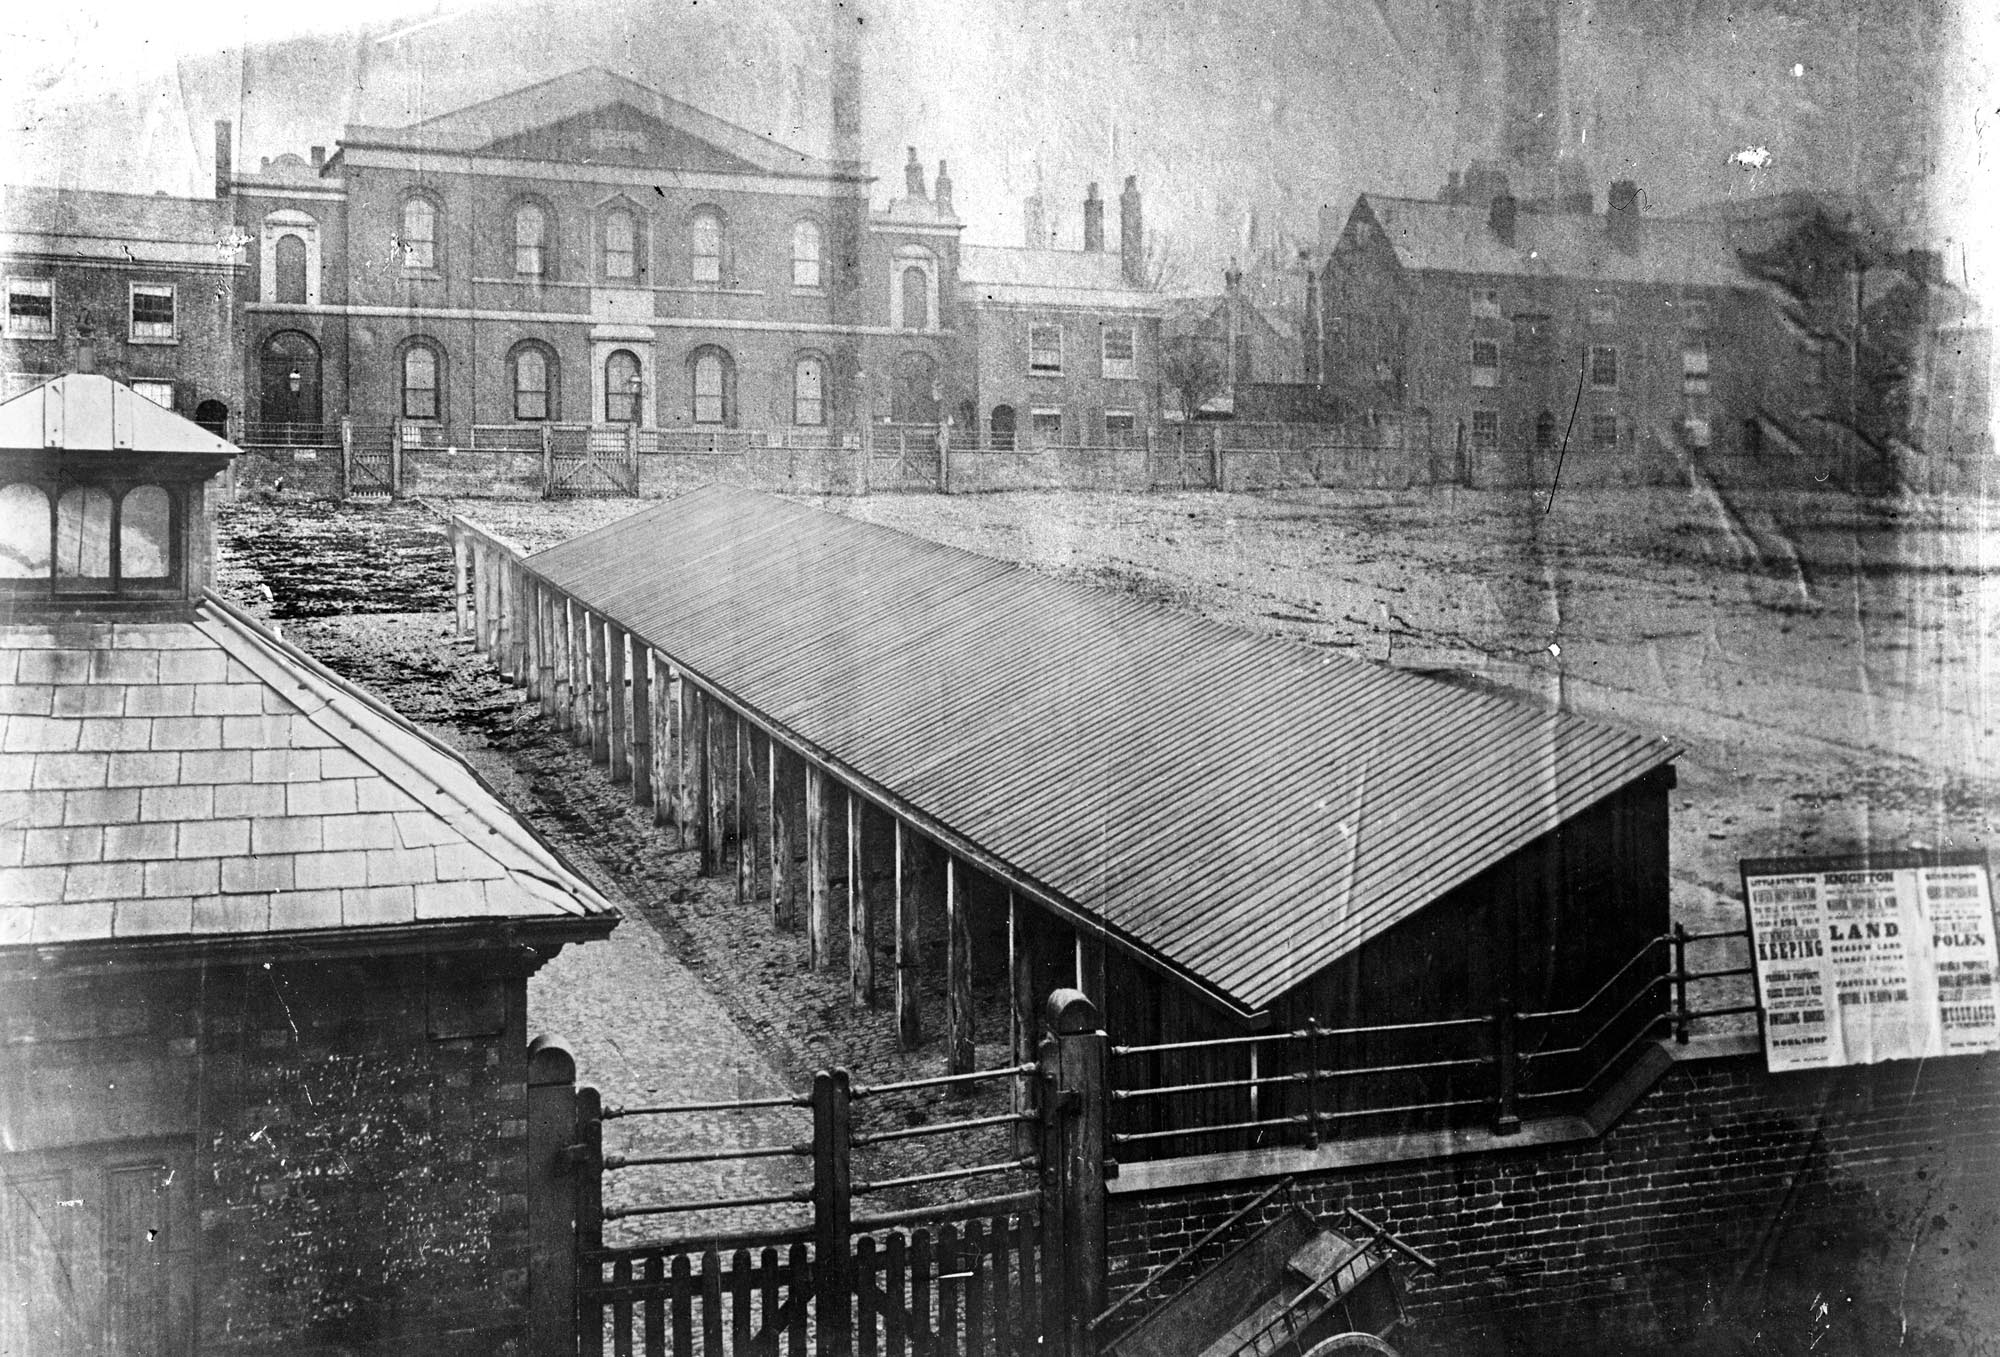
(1132,234)
(225,162)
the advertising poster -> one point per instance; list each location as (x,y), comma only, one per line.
(1864,959)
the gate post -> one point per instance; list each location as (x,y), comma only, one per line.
(833,1214)
(552,1197)
(346,457)
(548,463)
(1074,1057)
(396,463)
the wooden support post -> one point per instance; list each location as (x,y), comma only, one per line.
(833,1213)
(819,890)
(551,1197)
(600,688)
(1090,965)
(784,838)
(1023,1013)
(507,642)
(518,586)
(742,777)
(1073,1195)
(461,579)
(618,737)
(860,912)
(759,781)
(642,724)
(700,794)
(716,781)
(669,806)
(578,723)
(912,888)
(528,603)
(551,662)
(958,973)
(489,604)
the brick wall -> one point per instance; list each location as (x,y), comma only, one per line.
(351,1137)
(1819,1210)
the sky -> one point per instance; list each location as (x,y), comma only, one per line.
(1223,109)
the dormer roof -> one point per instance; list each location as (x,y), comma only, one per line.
(87,412)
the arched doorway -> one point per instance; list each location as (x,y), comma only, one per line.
(213,416)
(915,398)
(288,384)
(1001,426)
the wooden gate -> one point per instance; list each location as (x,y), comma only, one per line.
(1008,1272)
(1182,457)
(905,457)
(371,461)
(593,459)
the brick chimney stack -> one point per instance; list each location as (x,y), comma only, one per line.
(1034,223)
(1501,217)
(1621,215)
(319,157)
(943,191)
(1132,234)
(225,161)
(1093,221)
(913,176)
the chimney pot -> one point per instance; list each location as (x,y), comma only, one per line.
(1501,217)
(319,157)
(913,176)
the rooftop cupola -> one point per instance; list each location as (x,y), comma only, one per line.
(101,502)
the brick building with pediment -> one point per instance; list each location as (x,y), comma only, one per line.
(589,251)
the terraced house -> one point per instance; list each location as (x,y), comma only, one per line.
(589,251)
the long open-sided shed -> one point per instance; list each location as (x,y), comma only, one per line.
(1219,830)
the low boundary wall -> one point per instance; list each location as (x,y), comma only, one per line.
(1824,1210)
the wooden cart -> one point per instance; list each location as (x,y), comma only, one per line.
(1298,1287)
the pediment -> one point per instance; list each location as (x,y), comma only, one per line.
(618,134)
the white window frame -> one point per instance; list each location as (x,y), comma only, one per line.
(803,405)
(1485,374)
(1045,371)
(1694,366)
(410,262)
(705,268)
(1473,430)
(1697,432)
(1125,368)
(1598,422)
(1038,413)
(1130,433)
(31,287)
(808,266)
(288,222)
(148,388)
(633,249)
(906,258)
(1485,302)
(151,334)
(1593,352)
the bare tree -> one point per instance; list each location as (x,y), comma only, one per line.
(1191,366)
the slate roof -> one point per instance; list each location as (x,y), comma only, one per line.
(1092,278)
(1240,810)
(475,127)
(201,780)
(1456,238)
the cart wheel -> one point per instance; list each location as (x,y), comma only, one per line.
(1349,1344)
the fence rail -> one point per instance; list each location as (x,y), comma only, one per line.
(1298,1085)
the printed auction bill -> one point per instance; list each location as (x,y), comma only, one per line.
(1860,959)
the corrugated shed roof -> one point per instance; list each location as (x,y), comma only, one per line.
(1051,277)
(1456,238)
(199,780)
(1243,810)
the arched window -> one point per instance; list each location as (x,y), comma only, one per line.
(621,244)
(420,382)
(24,533)
(534,381)
(83,534)
(705,245)
(916,298)
(809,390)
(624,398)
(711,382)
(1545,431)
(145,527)
(1001,425)
(531,236)
(805,254)
(420,233)
(290,256)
